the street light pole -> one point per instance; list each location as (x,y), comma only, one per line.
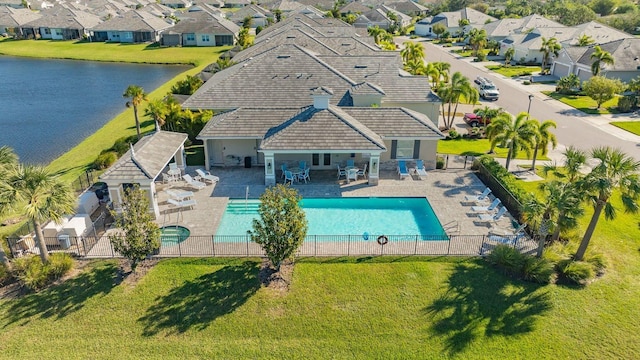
(529,108)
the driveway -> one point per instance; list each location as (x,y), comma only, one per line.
(575,128)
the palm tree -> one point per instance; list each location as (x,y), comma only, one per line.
(433,73)
(508,55)
(549,46)
(415,67)
(518,134)
(8,160)
(585,40)
(477,40)
(40,194)
(443,68)
(451,93)
(412,52)
(376,33)
(137,96)
(542,137)
(7,156)
(158,111)
(615,171)
(599,57)
(487,113)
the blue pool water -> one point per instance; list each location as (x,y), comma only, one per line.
(346,216)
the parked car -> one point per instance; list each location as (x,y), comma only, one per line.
(475,120)
(486,88)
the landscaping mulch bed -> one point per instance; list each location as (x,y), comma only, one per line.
(127,277)
(278,281)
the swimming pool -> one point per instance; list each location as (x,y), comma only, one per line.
(366,217)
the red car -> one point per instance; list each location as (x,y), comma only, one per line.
(475,120)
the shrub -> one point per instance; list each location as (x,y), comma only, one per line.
(454,134)
(481,56)
(504,177)
(625,103)
(577,272)
(123,144)
(439,162)
(104,160)
(259,29)
(5,275)
(507,258)
(525,73)
(526,82)
(35,275)
(537,270)
(598,262)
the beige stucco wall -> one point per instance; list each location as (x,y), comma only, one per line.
(366,100)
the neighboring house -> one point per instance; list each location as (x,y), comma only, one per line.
(527,45)
(599,33)
(143,164)
(577,60)
(321,134)
(451,21)
(324,27)
(282,78)
(134,26)
(500,29)
(354,7)
(177,4)
(309,11)
(201,29)
(258,15)
(158,10)
(11,20)
(409,8)
(208,8)
(324,5)
(236,3)
(60,24)
(379,17)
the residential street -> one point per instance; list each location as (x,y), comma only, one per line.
(574,127)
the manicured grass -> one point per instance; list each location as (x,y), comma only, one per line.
(339,308)
(585,103)
(477,147)
(469,53)
(630,126)
(131,53)
(514,70)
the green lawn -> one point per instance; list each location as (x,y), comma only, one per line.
(630,126)
(131,53)
(469,53)
(361,308)
(477,147)
(514,70)
(585,103)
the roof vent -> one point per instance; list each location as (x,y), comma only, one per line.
(361,66)
(284,56)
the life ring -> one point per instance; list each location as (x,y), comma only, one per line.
(383,240)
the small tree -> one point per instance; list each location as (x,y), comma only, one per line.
(566,84)
(282,226)
(140,236)
(438,29)
(601,89)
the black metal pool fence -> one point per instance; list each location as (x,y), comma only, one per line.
(314,245)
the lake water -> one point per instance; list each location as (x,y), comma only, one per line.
(49,106)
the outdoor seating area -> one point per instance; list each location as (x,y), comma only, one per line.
(351,172)
(295,172)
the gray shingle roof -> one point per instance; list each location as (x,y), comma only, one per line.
(135,20)
(282,76)
(366,88)
(204,22)
(599,32)
(10,17)
(315,129)
(625,52)
(151,154)
(64,19)
(354,7)
(509,26)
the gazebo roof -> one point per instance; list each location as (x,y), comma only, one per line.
(147,158)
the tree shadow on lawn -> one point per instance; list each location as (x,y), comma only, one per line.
(478,300)
(66,298)
(197,303)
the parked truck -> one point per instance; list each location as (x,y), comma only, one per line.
(487,89)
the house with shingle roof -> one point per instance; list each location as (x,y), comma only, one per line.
(451,21)
(380,17)
(258,15)
(354,7)
(321,133)
(12,19)
(60,23)
(200,28)
(323,27)
(143,164)
(577,60)
(409,8)
(500,29)
(236,3)
(177,4)
(134,26)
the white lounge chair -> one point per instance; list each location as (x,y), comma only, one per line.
(493,205)
(341,172)
(193,183)
(352,174)
(205,175)
(475,198)
(518,230)
(305,175)
(402,169)
(179,195)
(190,203)
(420,170)
(492,217)
(507,240)
(363,172)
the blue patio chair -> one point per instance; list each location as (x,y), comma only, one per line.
(402,169)
(351,163)
(420,169)
(284,168)
(302,164)
(288,176)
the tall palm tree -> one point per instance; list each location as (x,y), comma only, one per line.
(488,113)
(412,52)
(433,73)
(376,33)
(600,57)
(8,160)
(548,47)
(415,67)
(137,95)
(542,137)
(451,94)
(443,68)
(517,134)
(615,171)
(508,55)
(41,195)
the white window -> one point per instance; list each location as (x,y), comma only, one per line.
(404,150)
(205,38)
(191,37)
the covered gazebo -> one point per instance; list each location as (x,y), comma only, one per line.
(142,165)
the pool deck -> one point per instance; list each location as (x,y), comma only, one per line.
(445,190)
